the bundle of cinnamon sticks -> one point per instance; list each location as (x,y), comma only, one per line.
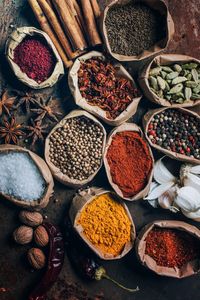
(71,25)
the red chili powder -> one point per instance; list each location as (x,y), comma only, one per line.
(130,162)
(171,248)
(35,58)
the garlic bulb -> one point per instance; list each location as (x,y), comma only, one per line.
(166,200)
(188,199)
(190,176)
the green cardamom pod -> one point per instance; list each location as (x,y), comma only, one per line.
(160,94)
(178,79)
(196,90)
(191,84)
(161,82)
(163,74)
(155,71)
(177,68)
(195,96)
(195,75)
(168,97)
(189,76)
(180,100)
(190,66)
(188,93)
(167,87)
(172,75)
(176,89)
(153,83)
(166,69)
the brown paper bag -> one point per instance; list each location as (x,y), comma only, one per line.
(147,119)
(121,128)
(45,172)
(165,59)
(97,111)
(14,40)
(63,178)
(78,203)
(158,5)
(189,269)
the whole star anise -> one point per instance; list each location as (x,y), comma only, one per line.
(26,99)
(11,131)
(46,110)
(36,131)
(6,103)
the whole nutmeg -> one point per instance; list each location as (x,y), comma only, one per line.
(41,236)
(23,235)
(31,218)
(36,258)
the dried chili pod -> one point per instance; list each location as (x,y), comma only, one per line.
(83,261)
(55,263)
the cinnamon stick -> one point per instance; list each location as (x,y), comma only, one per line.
(70,25)
(52,18)
(80,18)
(90,22)
(96,8)
(46,28)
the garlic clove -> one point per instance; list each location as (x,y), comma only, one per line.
(192,215)
(153,202)
(192,180)
(195,170)
(158,190)
(166,199)
(188,199)
(161,173)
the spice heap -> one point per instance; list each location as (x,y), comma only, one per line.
(130,162)
(177,83)
(35,58)
(76,147)
(176,131)
(171,248)
(100,85)
(105,224)
(133,28)
(20,177)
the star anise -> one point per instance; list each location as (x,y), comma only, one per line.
(36,131)
(26,100)
(46,110)
(6,103)
(11,131)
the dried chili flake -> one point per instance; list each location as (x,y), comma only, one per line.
(171,248)
(100,85)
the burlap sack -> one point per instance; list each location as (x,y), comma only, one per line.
(45,172)
(164,59)
(78,203)
(14,40)
(147,119)
(97,111)
(121,128)
(63,178)
(189,269)
(158,5)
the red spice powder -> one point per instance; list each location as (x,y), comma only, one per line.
(35,58)
(130,162)
(171,248)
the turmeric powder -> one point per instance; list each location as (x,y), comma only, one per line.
(106,224)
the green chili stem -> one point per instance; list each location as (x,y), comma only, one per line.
(120,285)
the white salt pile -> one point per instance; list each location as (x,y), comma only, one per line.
(20,177)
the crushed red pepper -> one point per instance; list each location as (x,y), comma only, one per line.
(100,85)
(171,248)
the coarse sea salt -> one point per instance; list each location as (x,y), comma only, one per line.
(20,177)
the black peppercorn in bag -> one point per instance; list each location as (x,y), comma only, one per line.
(188,269)
(178,68)
(149,49)
(69,154)
(147,119)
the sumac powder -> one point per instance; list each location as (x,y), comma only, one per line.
(171,247)
(133,28)
(35,58)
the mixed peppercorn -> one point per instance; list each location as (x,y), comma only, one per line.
(176,131)
(100,85)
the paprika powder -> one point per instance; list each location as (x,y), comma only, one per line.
(171,248)
(35,58)
(130,162)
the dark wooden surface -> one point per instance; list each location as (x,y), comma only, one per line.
(15,275)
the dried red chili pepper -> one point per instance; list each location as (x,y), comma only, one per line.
(100,85)
(55,263)
(171,248)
